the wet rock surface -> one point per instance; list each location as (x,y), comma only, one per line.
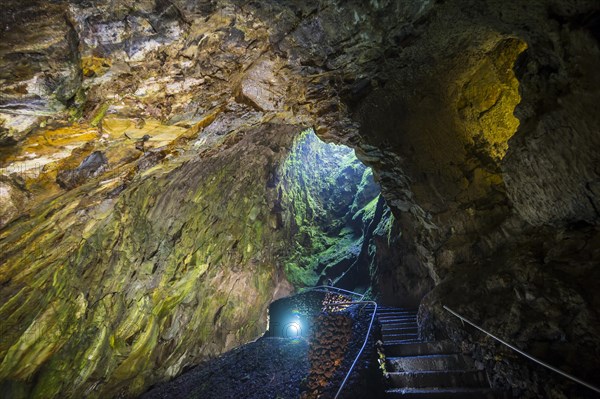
(334,343)
(330,204)
(176,290)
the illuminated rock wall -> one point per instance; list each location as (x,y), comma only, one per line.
(329,200)
(108,289)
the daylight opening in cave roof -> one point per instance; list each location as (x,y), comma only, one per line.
(334,207)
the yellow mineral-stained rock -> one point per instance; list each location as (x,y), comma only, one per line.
(94,66)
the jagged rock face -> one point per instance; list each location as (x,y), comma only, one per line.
(467,180)
(549,312)
(328,202)
(404,285)
(334,342)
(179,266)
(40,71)
(551,170)
(150,237)
(331,336)
(478,119)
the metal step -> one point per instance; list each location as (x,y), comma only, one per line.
(440,379)
(438,362)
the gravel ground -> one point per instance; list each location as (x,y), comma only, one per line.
(267,368)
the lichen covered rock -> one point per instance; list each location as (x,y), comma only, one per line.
(328,199)
(179,267)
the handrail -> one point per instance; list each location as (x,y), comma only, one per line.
(328,287)
(569,376)
(364,343)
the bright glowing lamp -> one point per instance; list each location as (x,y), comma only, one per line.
(293,329)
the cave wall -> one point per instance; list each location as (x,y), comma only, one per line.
(479,122)
(551,170)
(488,119)
(478,119)
(105,296)
(141,220)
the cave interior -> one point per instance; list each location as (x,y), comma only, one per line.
(178,176)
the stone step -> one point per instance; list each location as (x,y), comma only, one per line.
(388,310)
(413,311)
(438,362)
(402,342)
(419,348)
(406,329)
(440,379)
(397,319)
(393,326)
(396,311)
(387,336)
(442,393)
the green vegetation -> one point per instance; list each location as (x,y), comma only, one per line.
(328,196)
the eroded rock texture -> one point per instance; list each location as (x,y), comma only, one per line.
(478,118)
(334,343)
(134,283)
(330,205)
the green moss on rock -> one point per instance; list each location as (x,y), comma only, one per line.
(324,189)
(181,267)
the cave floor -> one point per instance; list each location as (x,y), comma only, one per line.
(266,368)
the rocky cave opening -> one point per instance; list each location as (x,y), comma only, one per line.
(159,191)
(332,206)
